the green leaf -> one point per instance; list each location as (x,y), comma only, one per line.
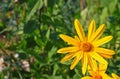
(1,24)
(48,34)
(55,77)
(84,13)
(76,76)
(34,54)
(52,52)
(39,42)
(36,7)
(78,72)
(2,75)
(56,67)
(112,6)
(31,26)
(104,15)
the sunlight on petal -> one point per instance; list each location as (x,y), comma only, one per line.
(79,30)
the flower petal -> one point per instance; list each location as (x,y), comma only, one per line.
(91,29)
(92,64)
(87,77)
(76,37)
(105,56)
(68,49)
(76,60)
(68,57)
(79,30)
(107,53)
(84,63)
(115,76)
(69,39)
(102,68)
(105,76)
(98,33)
(102,41)
(99,58)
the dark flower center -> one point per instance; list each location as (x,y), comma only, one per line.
(86,47)
(97,77)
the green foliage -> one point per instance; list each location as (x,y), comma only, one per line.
(31,28)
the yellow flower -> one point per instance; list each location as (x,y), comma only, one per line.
(86,48)
(115,76)
(9,14)
(99,72)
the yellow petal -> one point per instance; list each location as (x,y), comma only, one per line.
(79,30)
(69,39)
(87,77)
(105,55)
(92,64)
(105,51)
(98,33)
(68,49)
(99,58)
(102,41)
(91,29)
(92,70)
(105,76)
(76,60)
(76,37)
(67,57)
(84,63)
(115,76)
(102,68)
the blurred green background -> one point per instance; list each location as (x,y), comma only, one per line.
(29,38)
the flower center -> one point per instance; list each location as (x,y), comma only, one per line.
(86,47)
(97,77)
